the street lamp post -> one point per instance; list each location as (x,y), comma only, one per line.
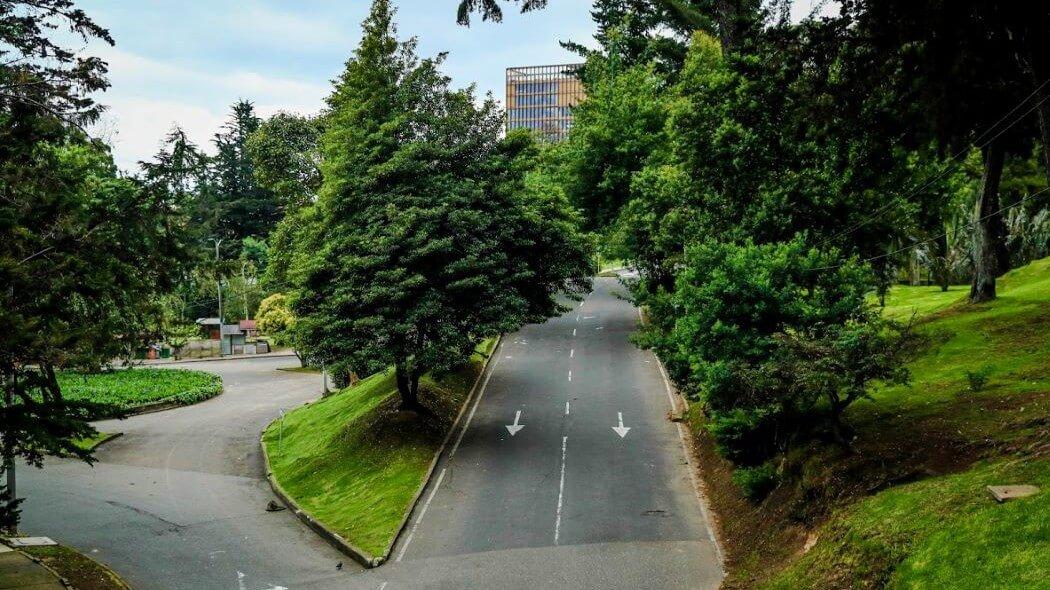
(218,288)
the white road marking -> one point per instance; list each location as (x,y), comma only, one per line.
(566,408)
(600,328)
(621,429)
(422,512)
(572,352)
(570,374)
(574,331)
(581,304)
(561,492)
(689,464)
(473,409)
(452,453)
(588,317)
(577,317)
(383,585)
(240,580)
(514,428)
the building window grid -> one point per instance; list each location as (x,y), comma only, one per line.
(536,93)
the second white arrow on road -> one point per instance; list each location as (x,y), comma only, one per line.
(514,428)
(620,429)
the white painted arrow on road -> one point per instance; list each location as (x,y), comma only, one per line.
(514,428)
(621,429)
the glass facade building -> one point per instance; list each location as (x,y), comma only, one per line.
(541,98)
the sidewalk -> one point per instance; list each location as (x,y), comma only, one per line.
(19,572)
(275,354)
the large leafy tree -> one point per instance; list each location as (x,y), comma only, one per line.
(431,238)
(81,248)
(286,158)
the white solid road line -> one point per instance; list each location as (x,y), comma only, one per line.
(561,492)
(422,512)
(473,409)
(452,453)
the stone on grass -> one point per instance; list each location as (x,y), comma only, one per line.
(1004,493)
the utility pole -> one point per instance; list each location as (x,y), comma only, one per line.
(9,453)
(218,288)
(244,286)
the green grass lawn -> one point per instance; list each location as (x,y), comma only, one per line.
(129,389)
(354,462)
(944,530)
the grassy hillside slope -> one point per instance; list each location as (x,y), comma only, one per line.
(907,506)
(354,462)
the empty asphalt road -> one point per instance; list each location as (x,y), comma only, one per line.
(179,501)
(592,490)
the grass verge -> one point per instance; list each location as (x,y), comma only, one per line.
(907,508)
(127,390)
(354,462)
(92,443)
(82,572)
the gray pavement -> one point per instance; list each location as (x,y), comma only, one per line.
(564,503)
(179,501)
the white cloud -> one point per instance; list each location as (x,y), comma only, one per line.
(148,97)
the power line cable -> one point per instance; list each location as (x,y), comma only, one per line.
(864,221)
(939,236)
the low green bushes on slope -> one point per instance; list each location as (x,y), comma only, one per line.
(911,505)
(354,462)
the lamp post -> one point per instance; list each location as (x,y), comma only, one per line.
(218,288)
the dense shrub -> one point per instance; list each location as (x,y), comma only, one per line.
(756,482)
(778,339)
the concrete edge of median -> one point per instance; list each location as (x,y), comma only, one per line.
(361,556)
(441,451)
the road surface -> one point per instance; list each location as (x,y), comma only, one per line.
(179,501)
(592,490)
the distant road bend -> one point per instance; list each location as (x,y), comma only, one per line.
(567,474)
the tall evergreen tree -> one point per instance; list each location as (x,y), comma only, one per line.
(430,241)
(245,208)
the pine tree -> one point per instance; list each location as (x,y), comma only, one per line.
(244,207)
(430,240)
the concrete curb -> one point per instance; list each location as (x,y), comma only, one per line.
(359,555)
(441,450)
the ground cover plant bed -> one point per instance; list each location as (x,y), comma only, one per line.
(128,390)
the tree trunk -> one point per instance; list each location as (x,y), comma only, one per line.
(988,230)
(407,387)
(10,384)
(941,265)
(726,11)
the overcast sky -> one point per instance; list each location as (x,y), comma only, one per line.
(187,61)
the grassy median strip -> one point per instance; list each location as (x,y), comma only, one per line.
(354,462)
(131,389)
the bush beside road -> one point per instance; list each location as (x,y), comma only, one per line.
(354,462)
(908,505)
